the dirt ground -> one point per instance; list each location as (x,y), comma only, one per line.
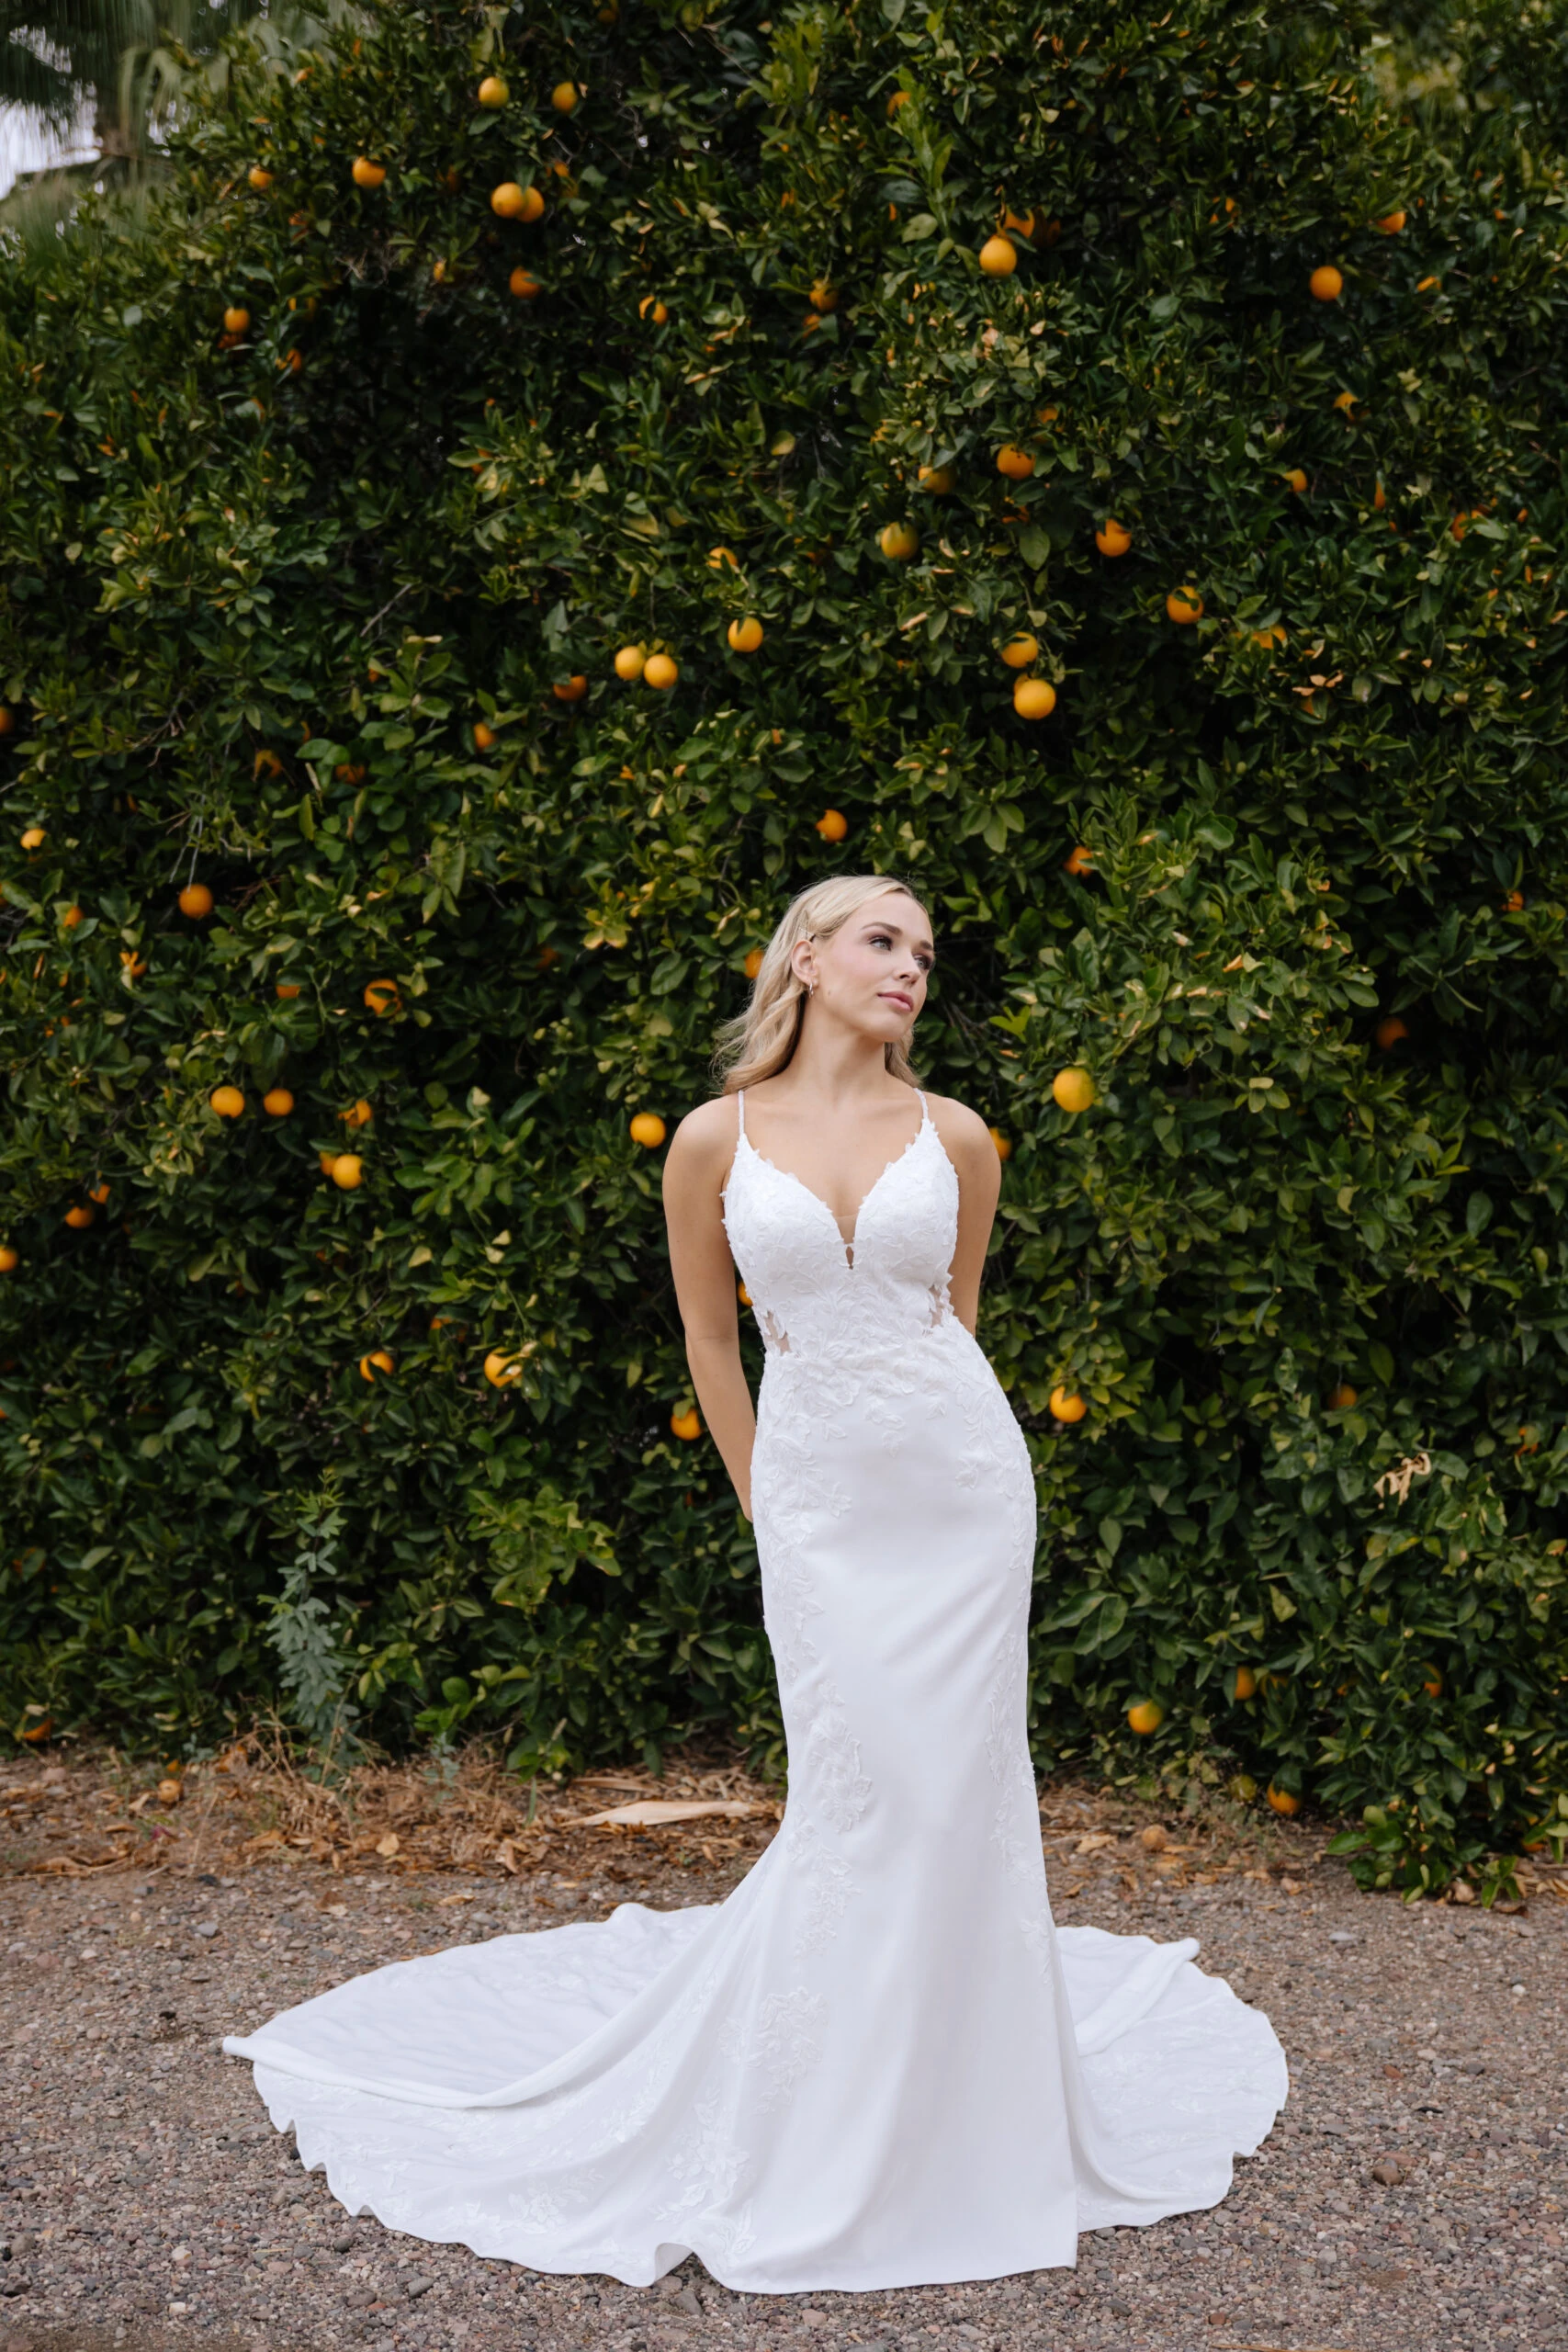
(1412,2196)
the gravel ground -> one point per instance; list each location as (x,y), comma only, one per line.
(1412,2194)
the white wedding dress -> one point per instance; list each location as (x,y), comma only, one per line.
(878,2063)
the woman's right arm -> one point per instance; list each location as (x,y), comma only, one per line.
(694,1169)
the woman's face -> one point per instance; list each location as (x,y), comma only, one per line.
(873,973)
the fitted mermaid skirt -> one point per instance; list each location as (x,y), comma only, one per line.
(878,2063)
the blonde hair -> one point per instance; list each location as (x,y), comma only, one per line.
(761,1041)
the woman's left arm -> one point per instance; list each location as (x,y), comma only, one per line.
(966,1140)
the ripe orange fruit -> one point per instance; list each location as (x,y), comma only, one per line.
(259,177)
(936,481)
(899,98)
(287,990)
(718,558)
(1066,1404)
(34,837)
(1146,1715)
(1004,1148)
(570,689)
(1390,1030)
(742,1293)
(1018,224)
(383,997)
(753,963)
(1514,904)
(1341,1396)
(1034,698)
(900,542)
(1282,1800)
(135,965)
(358,1114)
(378,1360)
(1073,1088)
(824,296)
(196,900)
(78,1219)
(1016,464)
(348,1170)
(483,735)
(1391,224)
(327,1160)
(1378,500)
(1021,650)
(1326,283)
(1246,1682)
(1431,1681)
(227,1100)
(647,1128)
(832,825)
(236,319)
(999,256)
(1297,478)
(686,1425)
(564,98)
(524,284)
(1078,862)
(73,916)
(98,1192)
(745,636)
(366,173)
(659,672)
(277,1101)
(507,200)
(1184,606)
(1112,537)
(629,662)
(9,1258)
(501,1370)
(492,91)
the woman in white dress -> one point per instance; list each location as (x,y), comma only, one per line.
(878,2064)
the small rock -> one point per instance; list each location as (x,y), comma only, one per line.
(1342,1935)
(359,2299)
(415,2288)
(814,2318)
(206,1929)
(1153,1839)
(1390,2172)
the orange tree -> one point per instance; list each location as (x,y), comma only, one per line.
(482,548)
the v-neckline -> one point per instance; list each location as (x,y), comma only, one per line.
(849,1247)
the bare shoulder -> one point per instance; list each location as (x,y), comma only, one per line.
(703,1143)
(963,1131)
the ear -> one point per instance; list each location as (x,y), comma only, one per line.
(802,961)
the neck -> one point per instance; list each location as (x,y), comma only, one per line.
(840,1067)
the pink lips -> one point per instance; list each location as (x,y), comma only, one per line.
(894,995)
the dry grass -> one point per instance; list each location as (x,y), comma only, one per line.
(84,1812)
(258,1803)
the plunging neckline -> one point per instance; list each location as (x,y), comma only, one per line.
(849,1246)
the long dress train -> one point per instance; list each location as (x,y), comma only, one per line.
(878,2063)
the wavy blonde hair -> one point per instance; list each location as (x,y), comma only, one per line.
(761,1041)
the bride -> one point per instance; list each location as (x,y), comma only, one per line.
(877,2063)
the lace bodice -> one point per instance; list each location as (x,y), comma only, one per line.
(816,1295)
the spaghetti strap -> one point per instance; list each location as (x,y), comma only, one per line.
(925,1114)
(741,1106)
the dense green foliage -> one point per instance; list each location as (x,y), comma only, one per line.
(260,588)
